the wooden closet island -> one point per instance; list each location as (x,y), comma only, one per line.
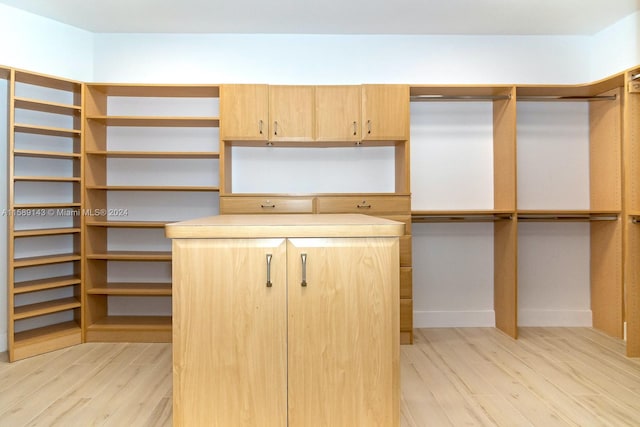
(286,320)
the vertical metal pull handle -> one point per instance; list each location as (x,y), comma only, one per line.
(369,127)
(275,127)
(260,126)
(355,128)
(303,257)
(269,284)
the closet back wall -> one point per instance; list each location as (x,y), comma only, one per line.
(45,46)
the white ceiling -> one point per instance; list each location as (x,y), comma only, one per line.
(509,17)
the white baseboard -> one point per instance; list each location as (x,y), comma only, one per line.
(3,342)
(565,318)
(454,319)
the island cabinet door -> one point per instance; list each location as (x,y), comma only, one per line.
(229,332)
(343,332)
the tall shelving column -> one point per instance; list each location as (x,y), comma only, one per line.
(44,209)
(602,121)
(632,211)
(458,110)
(145,147)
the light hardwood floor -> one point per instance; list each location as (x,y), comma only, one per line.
(450,377)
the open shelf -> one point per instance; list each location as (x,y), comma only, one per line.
(44,284)
(44,260)
(45,232)
(47,178)
(461,215)
(132,289)
(152,90)
(44,80)
(130,329)
(156,154)
(46,130)
(47,205)
(151,188)
(46,154)
(46,307)
(47,338)
(131,256)
(46,107)
(567,215)
(153,121)
(128,224)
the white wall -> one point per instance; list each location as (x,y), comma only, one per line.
(615,48)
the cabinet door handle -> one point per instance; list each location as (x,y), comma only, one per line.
(369,127)
(303,257)
(363,205)
(269,284)
(275,127)
(355,128)
(268,204)
(260,126)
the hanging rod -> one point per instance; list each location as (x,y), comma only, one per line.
(567,217)
(566,98)
(427,98)
(459,218)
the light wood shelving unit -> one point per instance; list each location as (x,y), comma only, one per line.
(45,199)
(104,101)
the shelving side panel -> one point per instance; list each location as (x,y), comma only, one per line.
(505,275)
(504,153)
(605,153)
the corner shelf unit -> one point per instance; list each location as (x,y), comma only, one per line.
(135,149)
(44,206)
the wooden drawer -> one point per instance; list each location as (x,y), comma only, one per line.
(406,314)
(370,205)
(405,251)
(265,205)
(406,282)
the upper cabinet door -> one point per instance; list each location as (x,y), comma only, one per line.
(291,113)
(338,113)
(244,112)
(385,112)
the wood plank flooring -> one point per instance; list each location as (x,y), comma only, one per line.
(449,377)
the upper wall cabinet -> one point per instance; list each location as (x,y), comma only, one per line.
(245,112)
(291,113)
(338,113)
(385,112)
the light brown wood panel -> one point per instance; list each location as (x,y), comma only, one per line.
(606,277)
(505,276)
(229,333)
(385,112)
(605,148)
(402,167)
(130,329)
(244,112)
(338,111)
(365,204)
(265,204)
(400,218)
(406,314)
(343,332)
(405,251)
(504,152)
(291,113)
(632,290)
(406,282)
(45,339)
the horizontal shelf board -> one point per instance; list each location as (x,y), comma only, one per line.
(157,154)
(132,323)
(132,289)
(132,256)
(150,188)
(47,178)
(45,232)
(48,81)
(128,224)
(154,90)
(590,89)
(312,144)
(459,91)
(566,215)
(46,107)
(461,215)
(46,130)
(153,121)
(268,195)
(46,154)
(46,307)
(45,333)
(46,205)
(43,284)
(44,260)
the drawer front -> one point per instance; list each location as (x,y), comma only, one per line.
(406,282)
(265,205)
(405,251)
(369,205)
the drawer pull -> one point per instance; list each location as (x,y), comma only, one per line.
(355,128)
(269,284)
(260,126)
(268,204)
(275,128)
(303,257)
(364,205)
(369,127)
